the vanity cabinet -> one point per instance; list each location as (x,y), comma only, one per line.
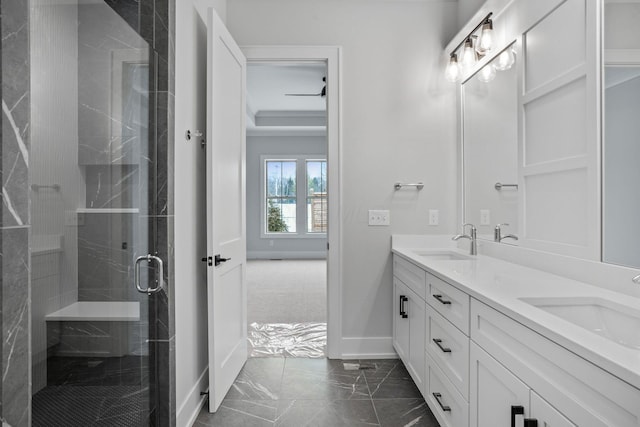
(581,392)
(409,318)
(476,366)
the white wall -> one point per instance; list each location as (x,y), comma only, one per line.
(398,125)
(190,207)
(297,247)
(466,10)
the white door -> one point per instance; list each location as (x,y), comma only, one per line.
(226,284)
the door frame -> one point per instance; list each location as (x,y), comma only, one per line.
(332,56)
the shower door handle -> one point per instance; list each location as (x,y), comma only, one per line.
(159,267)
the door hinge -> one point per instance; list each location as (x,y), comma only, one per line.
(327,245)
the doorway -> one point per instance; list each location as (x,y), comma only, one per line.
(278,260)
(287,221)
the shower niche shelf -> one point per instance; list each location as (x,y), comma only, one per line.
(109,210)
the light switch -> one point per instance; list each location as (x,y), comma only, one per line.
(379,217)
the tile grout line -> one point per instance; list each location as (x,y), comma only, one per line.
(375,411)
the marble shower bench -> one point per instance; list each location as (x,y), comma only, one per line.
(94,329)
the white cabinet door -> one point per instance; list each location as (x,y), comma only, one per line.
(497,397)
(409,330)
(417,325)
(547,415)
(400,320)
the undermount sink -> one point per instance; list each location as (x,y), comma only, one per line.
(440,255)
(618,323)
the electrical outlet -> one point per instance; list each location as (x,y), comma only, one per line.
(485,217)
(434,216)
(377,217)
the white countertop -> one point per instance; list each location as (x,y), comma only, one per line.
(501,284)
(112,311)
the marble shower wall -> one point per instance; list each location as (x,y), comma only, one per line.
(153,20)
(16,360)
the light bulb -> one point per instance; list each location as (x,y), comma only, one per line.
(468,59)
(505,60)
(452,73)
(487,74)
(485,41)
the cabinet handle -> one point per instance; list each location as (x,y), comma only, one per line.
(438,342)
(443,301)
(530,422)
(515,411)
(437,396)
(403,311)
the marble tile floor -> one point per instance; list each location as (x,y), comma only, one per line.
(301,392)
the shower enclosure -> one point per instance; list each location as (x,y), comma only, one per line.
(84,166)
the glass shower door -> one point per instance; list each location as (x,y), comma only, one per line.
(92,185)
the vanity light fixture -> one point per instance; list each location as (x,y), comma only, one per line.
(485,40)
(469,57)
(505,60)
(472,47)
(453,72)
(487,73)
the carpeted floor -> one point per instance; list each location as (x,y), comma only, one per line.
(287,291)
(287,308)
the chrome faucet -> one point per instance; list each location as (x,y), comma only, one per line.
(473,250)
(497,234)
(636,279)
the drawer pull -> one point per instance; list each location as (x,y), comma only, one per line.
(443,301)
(438,342)
(515,411)
(437,396)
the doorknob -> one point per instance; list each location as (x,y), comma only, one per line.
(218,260)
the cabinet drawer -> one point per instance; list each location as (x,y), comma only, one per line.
(547,414)
(411,275)
(449,348)
(449,301)
(584,393)
(442,395)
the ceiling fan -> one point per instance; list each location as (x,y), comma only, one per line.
(322,93)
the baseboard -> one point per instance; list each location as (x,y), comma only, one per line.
(286,255)
(190,408)
(368,348)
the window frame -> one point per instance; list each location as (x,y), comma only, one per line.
(301,197)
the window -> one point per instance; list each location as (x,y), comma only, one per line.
(316,196)
(295,197)
(281,196)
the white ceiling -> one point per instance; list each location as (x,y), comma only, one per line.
(267,85)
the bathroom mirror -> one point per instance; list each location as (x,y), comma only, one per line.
(621,134)
(490,149)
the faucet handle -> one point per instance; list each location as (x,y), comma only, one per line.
(473,227)
(497,232)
